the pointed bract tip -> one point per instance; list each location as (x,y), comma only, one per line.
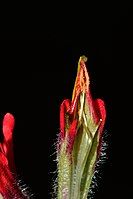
(8,125)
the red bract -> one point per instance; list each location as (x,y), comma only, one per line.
(71,111)
(8,185)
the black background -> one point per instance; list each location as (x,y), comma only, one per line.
(37,71)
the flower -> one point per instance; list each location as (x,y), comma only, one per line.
(8,184)
(81,127)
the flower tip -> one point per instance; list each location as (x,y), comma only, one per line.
(8,125)
(82,80)
(101,111)
(83,58)
(9,120)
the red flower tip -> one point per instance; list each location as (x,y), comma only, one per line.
(7,145)
(101,112)
(64,108)
(8,125)
(8,185)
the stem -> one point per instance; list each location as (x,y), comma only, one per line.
(64,173)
